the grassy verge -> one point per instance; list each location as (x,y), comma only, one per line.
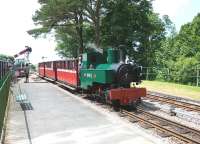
(173,89)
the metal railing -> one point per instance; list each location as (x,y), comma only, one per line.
(3,69)
(5,78)
(172,75)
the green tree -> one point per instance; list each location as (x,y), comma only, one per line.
(103,22)
(6,58)
(180,52)
(94,13)
(54,14)
(134,25)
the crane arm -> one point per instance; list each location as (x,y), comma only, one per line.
(27,50)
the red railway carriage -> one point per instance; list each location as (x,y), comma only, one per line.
(50,70)
(41,69)
(67,72)
(64,71)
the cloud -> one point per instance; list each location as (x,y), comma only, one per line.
(173,8)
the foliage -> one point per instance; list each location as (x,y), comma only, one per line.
(55,14)
(6,58)
(129,24)
(33,67)
(180,53)
(106,23)
(134,25)
(173,89)
(184,70)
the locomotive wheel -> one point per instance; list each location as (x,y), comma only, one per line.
(132,107)
(116,105)
(139,101)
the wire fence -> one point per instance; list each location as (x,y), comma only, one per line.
(3,69)
(5,78)
(191,76)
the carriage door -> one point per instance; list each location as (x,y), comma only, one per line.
(55,69)
(43,65)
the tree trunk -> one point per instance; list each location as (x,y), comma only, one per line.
(97,23)
(79,30)
(93,10)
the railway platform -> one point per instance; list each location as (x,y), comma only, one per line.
(43,113)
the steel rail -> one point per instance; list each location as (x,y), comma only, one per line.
(181,104)
(195,131)
(162,128)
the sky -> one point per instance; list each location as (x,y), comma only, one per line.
(179,11)
(16,19)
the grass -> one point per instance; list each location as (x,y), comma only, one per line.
(173,89)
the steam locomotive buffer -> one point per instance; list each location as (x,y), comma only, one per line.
(105,76)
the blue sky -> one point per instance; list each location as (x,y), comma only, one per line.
(180,11)
(16,19)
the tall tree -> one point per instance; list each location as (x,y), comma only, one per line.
(54,14)
(6,58)
(134,25)
(93,13)
(180,52)
(105,23)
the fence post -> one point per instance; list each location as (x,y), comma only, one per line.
(197,76)
(168,74)
(147,75)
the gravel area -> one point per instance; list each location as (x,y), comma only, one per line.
(153,132)
(173,140)
(191,119)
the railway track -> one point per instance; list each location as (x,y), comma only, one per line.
(165,127)
(173,101)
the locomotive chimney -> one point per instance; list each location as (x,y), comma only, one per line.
(122,53)
(113,56)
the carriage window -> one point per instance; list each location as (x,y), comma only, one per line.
(67,65)
(76,64)
(71,64)
(58,65)
(64,64)
(93,58)
(49,65)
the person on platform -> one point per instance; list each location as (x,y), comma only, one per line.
(27,73)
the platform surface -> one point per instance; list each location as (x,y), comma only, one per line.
(55,116)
